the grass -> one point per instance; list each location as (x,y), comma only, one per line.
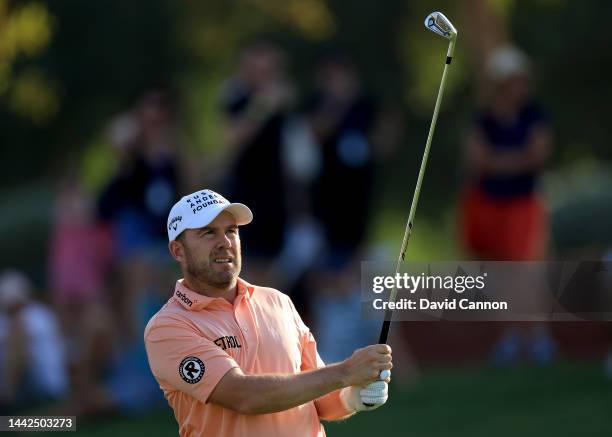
(568,399)
(565,400)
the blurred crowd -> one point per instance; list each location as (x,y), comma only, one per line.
(307,167)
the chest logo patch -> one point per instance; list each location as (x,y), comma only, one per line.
(191,370)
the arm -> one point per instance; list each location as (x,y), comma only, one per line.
(241,127)
(238,130)
(540,145)
(330,406)
(339,404)
(262,394)
(481,159)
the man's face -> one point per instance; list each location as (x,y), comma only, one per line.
(212,253)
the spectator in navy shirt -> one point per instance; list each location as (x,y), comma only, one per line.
(342,118)
(503,216)
(256,102)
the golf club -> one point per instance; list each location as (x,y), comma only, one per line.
(438,23)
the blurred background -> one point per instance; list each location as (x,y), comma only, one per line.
(315,114)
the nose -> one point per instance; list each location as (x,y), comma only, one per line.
(224,242)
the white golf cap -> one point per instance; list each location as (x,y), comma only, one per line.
(506,62)
(198,209)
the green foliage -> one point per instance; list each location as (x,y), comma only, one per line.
(67,67)
(26,30)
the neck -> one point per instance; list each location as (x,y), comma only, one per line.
(228,293)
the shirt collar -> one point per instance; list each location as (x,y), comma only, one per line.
(245,288)
(193,301)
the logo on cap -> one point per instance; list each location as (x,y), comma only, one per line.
(199,201)
(174,222)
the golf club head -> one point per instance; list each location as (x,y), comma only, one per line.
(438,23)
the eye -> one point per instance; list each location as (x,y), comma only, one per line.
(232,231)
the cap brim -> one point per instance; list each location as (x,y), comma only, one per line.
(241,213)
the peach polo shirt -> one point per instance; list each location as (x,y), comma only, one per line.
(193,340)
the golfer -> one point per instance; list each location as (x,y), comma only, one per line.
(235,359)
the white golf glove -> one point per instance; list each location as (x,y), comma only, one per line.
(365,398)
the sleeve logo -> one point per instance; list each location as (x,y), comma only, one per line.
(191,370)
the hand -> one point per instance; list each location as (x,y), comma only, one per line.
(376,393)
(365,398)
(365,365)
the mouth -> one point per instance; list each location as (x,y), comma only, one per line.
(223,260)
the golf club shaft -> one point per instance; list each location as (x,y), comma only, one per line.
(384,332)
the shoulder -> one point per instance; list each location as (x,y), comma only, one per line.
(271,298)
(278,302)
(271,295)
(167,321)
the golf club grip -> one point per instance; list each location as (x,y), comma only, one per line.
(384,332)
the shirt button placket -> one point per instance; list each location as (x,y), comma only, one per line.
(243,318)
(241,322)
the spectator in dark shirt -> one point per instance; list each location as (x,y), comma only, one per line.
(503,216)
(342,117)
(256,101)
(148,176)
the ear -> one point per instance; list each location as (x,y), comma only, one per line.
(176,250)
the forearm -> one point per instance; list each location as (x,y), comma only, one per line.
(508,163)
(263,394)
(514,161)
(242,128)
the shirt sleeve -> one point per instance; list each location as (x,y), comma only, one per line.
(329,407)
(182,359)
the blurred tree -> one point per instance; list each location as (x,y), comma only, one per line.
(485,28)
(66,67)
(26,30)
